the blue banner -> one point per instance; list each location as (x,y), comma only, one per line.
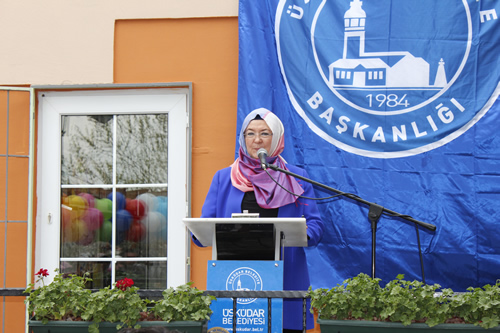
(396,102)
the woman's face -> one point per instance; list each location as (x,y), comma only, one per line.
(258,135)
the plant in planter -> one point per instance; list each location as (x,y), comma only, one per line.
(405,302)
(63,299)
(480,306)
(182,304)
(66,300)
(121,305)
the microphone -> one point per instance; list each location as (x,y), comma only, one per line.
(262,154)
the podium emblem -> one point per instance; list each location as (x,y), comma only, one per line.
(244,278)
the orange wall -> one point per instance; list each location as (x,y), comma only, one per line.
(14,168)
(203,51)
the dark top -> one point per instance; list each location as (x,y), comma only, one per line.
(250,204)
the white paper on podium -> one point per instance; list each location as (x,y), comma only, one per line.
(294,229)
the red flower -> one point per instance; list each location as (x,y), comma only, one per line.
(42,272)
(124,283)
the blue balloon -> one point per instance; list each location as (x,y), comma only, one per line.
(163,209)
(162,206)
(123,220)
(120,200)
(162,198)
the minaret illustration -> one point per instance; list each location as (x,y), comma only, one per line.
(361,69)
(238,285)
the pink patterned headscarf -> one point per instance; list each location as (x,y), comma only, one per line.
(248,175)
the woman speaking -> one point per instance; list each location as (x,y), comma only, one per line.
(245,186)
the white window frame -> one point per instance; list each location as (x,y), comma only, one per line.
(53,104)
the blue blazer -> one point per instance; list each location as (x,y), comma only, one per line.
(223,199)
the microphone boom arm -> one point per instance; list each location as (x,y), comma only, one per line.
(428,226)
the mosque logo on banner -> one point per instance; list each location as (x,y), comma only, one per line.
(386,78)
(244,278)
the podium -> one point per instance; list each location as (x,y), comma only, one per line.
(247,255)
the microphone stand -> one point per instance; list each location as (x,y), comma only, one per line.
(374,213)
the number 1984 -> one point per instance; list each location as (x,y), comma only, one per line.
(391,100)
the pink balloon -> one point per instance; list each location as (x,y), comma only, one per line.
(89,197)
(93,219)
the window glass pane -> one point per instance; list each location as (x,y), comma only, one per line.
(86,223)
(141,221)
(86,145)
(146,274)
(99,272)
(135,226)
(141,149)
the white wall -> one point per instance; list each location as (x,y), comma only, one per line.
(71,41)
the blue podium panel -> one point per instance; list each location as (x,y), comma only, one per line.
(251,313)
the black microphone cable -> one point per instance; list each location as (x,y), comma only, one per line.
(304,197)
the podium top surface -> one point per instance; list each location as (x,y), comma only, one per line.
(294,229)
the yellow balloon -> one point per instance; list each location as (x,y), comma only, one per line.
(78,205)
(75,231)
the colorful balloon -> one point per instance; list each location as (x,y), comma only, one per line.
(137,208)
(93,218)
(123,220)
(77,204)
(155,222)
(156,225)
(67,216)
(105,206)
(105,232)
(136,232)
(75,231)
(120,200)
(162,205)
(150,200)
(89,198)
